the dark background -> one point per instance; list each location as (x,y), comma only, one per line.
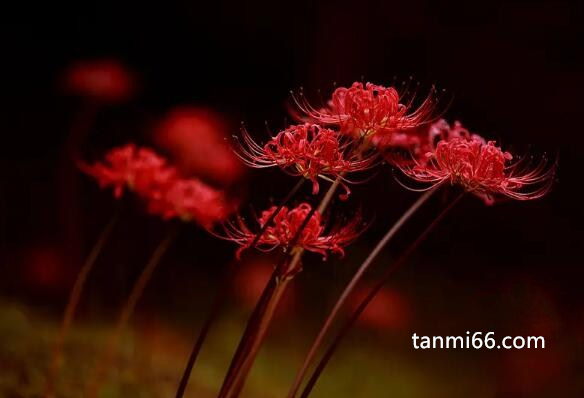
(514,70)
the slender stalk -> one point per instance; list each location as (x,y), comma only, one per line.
(251,327)
(222,295)
(246,342)
(68,177)
(104,361)
(350,287)
(251,341)
(326,200)
(377,287)
(280,283)
(73,302)
(262,329)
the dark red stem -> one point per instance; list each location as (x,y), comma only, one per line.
(350,287)
(355,315)
(219,300)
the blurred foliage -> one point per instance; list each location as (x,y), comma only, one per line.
(151,358)
(153,353)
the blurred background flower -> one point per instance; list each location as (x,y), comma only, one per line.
(199,141)
(102,80)
(388,311)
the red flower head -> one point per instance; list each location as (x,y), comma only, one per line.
(105,80)
(138,169)
(483,169)
(370,111)
(310,151)
(410,146)
(191,199)
(283,231)
(147,174)
(196,138)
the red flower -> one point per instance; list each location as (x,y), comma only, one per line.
(105,80)
(191,199)
(483,169)
(370,111)
(165,192)
(310,151)
(284,228)
(410,146)
(138,169)
(196,138)
(443,131)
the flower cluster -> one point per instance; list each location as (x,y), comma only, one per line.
(336,140)
(409,147)
(384,118)
(292,227)
(356,127)
(166,193)
(310,151)
(479,167)
(362,122)
(371,111)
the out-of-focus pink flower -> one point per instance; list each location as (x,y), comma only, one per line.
(283,230)
(310,151)
(197,139)
(104,80)
(389,310)
(483,169)
(370,110)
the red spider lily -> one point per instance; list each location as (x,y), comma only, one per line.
(191,199)
(138,169)
(196,139)
(443,131)
(409,146)
(310,151)
(483,169)
(150,176)
(104,80)
(285,227)
(371,111)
